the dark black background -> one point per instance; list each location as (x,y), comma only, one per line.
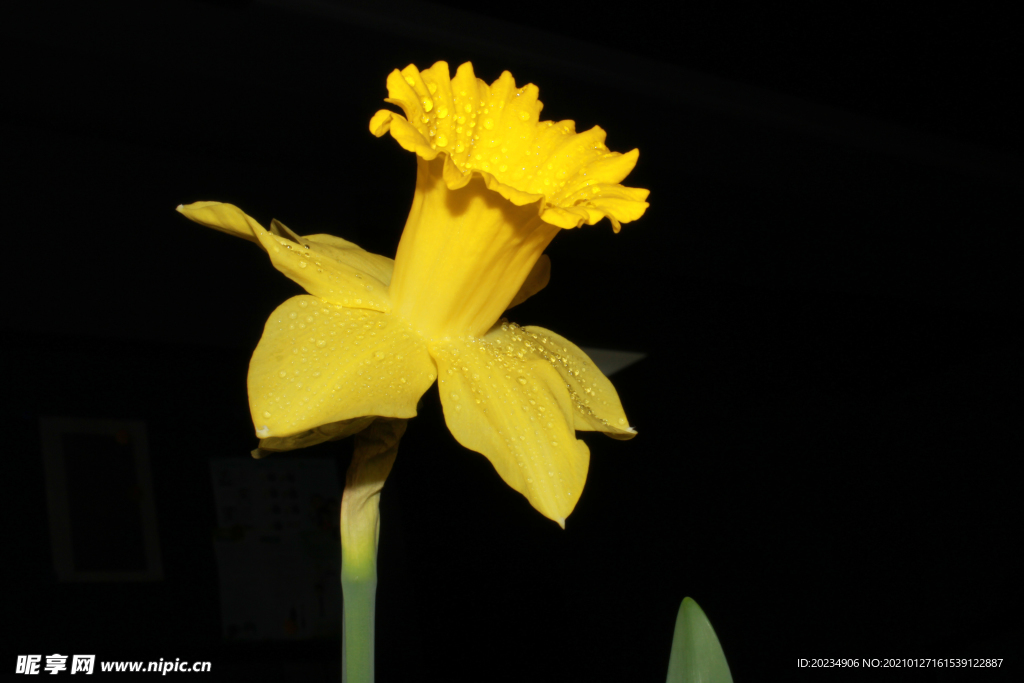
(826,285)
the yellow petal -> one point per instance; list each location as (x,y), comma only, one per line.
(281,230)
(341,251)
(312,437)
(223,217)
(596,403)
(323,268)
(319,363)
(346,252)
(502,400)
(537,280)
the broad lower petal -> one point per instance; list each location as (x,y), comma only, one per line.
(319,363)
(312,437)
(505,402)
(596,403)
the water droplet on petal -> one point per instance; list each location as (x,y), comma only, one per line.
(442,140)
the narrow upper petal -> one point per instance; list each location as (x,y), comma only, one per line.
(504,401)
(340,250)
(226,218)
(596,403)
(332,269)
(319,363)
(343,251)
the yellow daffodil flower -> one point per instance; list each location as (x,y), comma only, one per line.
(494,185)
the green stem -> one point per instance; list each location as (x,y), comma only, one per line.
(357,629)
(374,454)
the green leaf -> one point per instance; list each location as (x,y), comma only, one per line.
(697,655)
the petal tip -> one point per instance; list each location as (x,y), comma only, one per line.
(561,522)
(381,122)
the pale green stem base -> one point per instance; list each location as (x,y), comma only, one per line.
(357,628)
(375,451)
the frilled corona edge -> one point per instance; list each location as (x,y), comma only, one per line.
(495,131)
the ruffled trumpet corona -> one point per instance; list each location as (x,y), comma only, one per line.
(494,185)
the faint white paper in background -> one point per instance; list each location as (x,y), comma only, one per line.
(99,490)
